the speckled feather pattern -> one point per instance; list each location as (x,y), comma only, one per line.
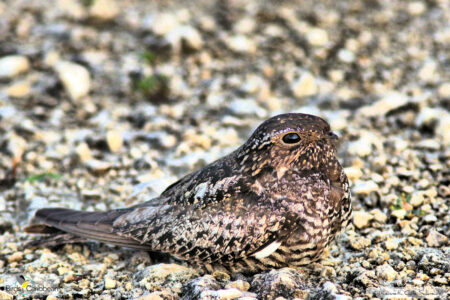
(268,204)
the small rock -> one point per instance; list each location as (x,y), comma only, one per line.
(20,89)
(17,256)
(83,152)
(227,294)
(353,173)
(391,244)
(436,239)
(379,216)
(399,213)
(360,243)
(104,10)
(386,104)
(189,34)
(317,37)
(428,72)
(238,284)
(97,167)
(245,25)
(72,9)
(75,78)
(246,107)
(386,272)
(156,275)
(444,90)
(416,8)
(361,219)
(114,139)
(163,23)
(365,187)
(110,283)
(417,199)
(13,65)
(305,86)
(430,219)
(241,44)
(283,282)
(361,147)
(346,56)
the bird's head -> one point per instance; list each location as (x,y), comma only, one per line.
(291,141)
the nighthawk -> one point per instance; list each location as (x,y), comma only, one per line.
(276,201)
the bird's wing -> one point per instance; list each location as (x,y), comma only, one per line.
(236,227)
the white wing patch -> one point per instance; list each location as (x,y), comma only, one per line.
(267,251)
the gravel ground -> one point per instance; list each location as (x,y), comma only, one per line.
(104,103)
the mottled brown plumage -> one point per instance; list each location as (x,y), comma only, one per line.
(277,201)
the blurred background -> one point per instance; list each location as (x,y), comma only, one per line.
(103,99)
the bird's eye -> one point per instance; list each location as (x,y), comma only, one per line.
(291,138)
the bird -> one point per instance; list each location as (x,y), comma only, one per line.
(277,201)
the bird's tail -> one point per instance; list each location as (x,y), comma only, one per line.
(89,225)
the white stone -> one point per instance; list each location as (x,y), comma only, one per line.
(104,10)
(391,244)
(361,219)
(317,37)
(241,43)
(186,33)
(428,72)
(386,272)
(443,129)
(444,90)
(13,65)
(346,56)
(114,140)
(390,101)
(75,78)
(110,283)
(416,8)
(361,147)
(365,187)
(305,86)
(163,23)
(245,25)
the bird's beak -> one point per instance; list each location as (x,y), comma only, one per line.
(333,136)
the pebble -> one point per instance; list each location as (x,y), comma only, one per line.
(317,37)
(238,284)
(365,187)
(444,90)
(428,73)
(436,239)
(361,219)
(391,244)
(430,219)
(389,102)
(17,256)
(246,107)
(386,272)
(241,44)
(361,147)
(399,213)
(19,89)
(226,294)
(75,78)
(346,56)
(379,216)
(416,8)
(83,152)
(188,34)
(245,25)
(13,65)
(110,283)
(114,139)
(104,10)
(360,243)
(97,167)
(305,86)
